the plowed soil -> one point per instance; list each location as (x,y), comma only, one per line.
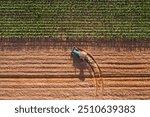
(44,69)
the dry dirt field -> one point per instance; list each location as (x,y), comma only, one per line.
(44,69)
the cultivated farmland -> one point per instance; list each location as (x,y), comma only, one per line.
(37,36)
(74,18)
(44,69)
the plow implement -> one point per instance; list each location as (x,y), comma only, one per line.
(85,56)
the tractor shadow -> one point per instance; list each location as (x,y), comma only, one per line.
(83,67)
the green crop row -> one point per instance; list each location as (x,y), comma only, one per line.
(124,19)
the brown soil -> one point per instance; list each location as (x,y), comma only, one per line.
(45,70)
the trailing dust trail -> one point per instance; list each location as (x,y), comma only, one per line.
(84,55)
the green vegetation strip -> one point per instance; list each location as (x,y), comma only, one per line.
(123,19)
